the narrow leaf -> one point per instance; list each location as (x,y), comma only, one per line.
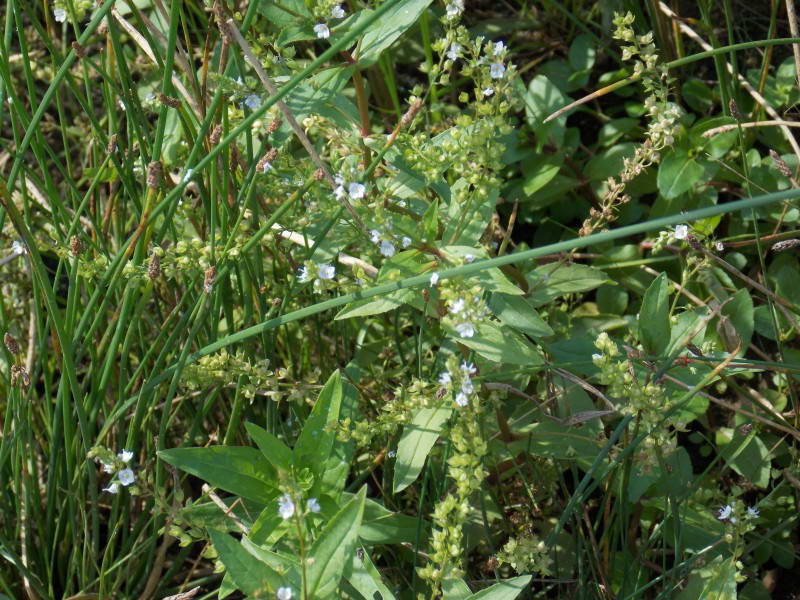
(418,438)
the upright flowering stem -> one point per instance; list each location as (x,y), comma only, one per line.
(301,540)
(363,107)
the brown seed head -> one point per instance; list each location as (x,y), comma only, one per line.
(169,100)
(216,134)
(274,125)
(80,51)
(412,111)
(11,343)
(75,245)
(319,174)
(154,175)
(785,245)
(780,164)
(154,268)
(112,144)
(734,108)
(211,275)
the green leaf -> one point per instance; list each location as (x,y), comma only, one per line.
(679,171)
(455,589)
(654,327)
(492,279)
(500,344)
(430,222)
(273,449)
(239,470)
(539,171)
(582,52)
(748,456)
(505,590)
(418,438)
(366,579)
(334,547)
(382,526)
(739,311)
(518,313)
(716,580)
(365,308)
(382,34)
(252,576)
(553,280)
(314,446)
(542,99)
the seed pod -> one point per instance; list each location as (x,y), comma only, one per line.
(154,268)
(785,245)
(274,125)
(780,164)
(11,343)
(169,100)
(154,175)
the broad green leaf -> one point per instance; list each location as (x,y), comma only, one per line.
(382,526)
(249,574)
(466,219)
(679,171)
(553,280)
(582,52)
(499,344)
(334,547)
(366,579)
(739,311)
(539,171)
(505,590)
(383,33)
(313,447)
(282,13)
(455,589)
(542,99)
(418,438)
(715,581)
(517,312)
(239,470)
(654,327)
(748,456)
(365,308)
(273,449)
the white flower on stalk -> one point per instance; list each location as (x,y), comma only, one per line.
(108,468)
(445,378)
(465,329)
(725,512)
(387,248)
(681,232)
(499,48)
(302,275)
(434,279)
(284,593)
(126,477)
(455,8)
(454,52)
(468,258)
(337,12)
(113,488)
(60,15)
(752,512)
(356,190)
(462,399)
(457,306)
(313,505)
(252,101)
(125,456)
(339,192)
(322,31)
(406,242)
(488,92)
(327,271)
(286,507)
(374,236)
(497,70)
(18,248)
(468,368)
(266,167)
(467,387)
(719,246)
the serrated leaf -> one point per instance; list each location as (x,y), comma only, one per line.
(239,470)
(654,327)
(418,438)
(333,548)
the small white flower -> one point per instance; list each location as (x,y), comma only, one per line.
(302,275)
(60,15)
(406,241)
(387,249)
(266,167)
(113,488)
(126,477)
(497,70)
(18,248)
(457,306)
(719,246)
(468,258)
(391,454)
(752,512)
(499,48)
(434,278)
(681,232)
(465,329)
(313,505)
(188,175)
(327,271)
(252,102)
(339,192)
(374,236)
(468,368)
(108,468)
(322,31)
(356,190)
(487,92)
(454,51)
(597,357)
(725,512)
(286,508)
(455,8)
(284,593)
(337,12)
(125,456)
(467,387)
(462,399)
(445,378)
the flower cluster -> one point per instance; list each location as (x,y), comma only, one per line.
(466,308)
(117,465)
(322,274)
(81,7)
(223,368)
(456,382)
(527,555)
(325,11)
